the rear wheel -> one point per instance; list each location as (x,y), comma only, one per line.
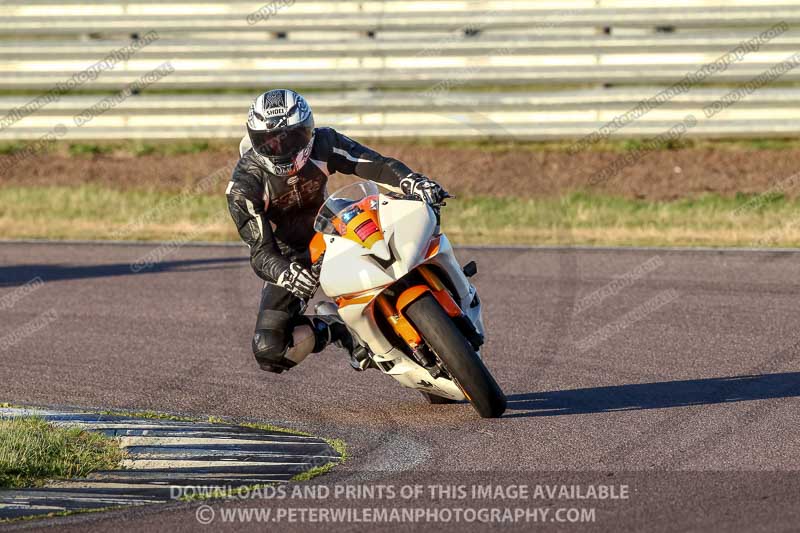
(457,355)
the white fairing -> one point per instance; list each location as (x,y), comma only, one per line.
(349,268)
(408,227)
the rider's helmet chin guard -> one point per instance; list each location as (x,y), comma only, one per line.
(281,129)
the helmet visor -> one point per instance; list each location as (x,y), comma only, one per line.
(282,144)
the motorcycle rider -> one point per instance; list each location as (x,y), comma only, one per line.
(276,189)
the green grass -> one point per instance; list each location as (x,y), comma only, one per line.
(139,148)
(33,451)
(606,145)
(135,148)
(91,212)
(88,149)
(151,415)
(340,447)
(582,218)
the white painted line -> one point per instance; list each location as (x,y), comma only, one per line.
(26,507)
(184,441)
(134,426)
(45,495)
(188,429)
(167,478)
(78,485)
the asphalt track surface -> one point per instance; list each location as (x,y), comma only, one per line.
(692,400)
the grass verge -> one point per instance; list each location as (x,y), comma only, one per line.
(91,212)
(33,451)
(138,148)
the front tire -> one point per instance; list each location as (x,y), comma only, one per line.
(457,355)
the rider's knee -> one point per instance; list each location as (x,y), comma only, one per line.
(269,347)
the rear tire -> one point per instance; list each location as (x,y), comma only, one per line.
(458,356)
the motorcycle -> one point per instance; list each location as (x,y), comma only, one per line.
(397,285)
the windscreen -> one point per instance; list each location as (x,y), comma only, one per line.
(352,212)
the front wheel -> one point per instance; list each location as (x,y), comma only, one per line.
(457,355)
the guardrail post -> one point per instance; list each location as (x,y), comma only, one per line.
(603,30)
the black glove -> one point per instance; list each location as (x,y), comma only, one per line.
(425,189)
(299,281)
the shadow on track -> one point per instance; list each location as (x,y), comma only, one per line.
(14,275)
(654,395)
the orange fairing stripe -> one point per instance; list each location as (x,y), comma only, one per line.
(317,247)
(358,297)
(433,247)
(344,302)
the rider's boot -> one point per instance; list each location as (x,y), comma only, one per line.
(330,328)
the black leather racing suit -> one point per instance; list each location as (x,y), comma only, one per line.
(275,218)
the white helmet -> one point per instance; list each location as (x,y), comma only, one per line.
(281,130)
